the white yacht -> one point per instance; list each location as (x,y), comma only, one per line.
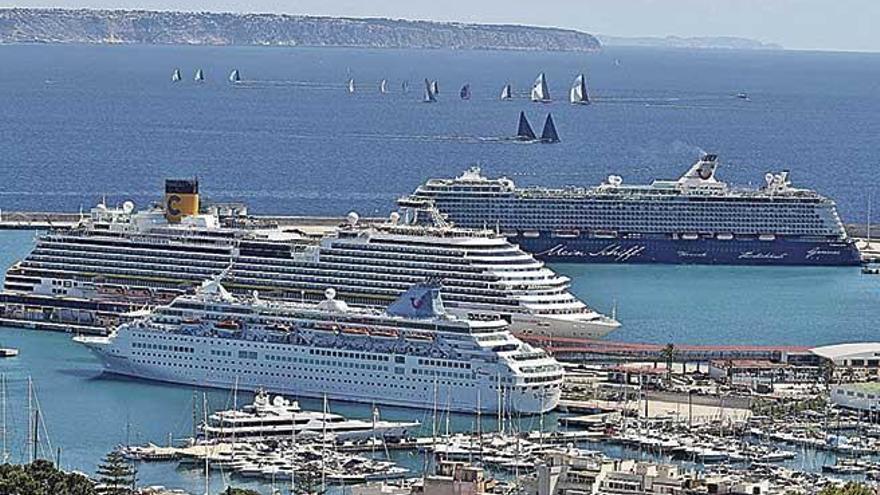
(412,354)
(277,418)
(148,258)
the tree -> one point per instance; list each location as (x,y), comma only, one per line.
(115,475)
(851,488)
(669,354)
(42,478)
(239,491)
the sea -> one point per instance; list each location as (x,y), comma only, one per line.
(82,124)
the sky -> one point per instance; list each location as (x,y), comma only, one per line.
(796,24)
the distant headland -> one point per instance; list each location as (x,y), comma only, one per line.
(696,42)
(24,25)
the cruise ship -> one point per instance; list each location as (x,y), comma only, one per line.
(142,258)
(411,354)
(695,219)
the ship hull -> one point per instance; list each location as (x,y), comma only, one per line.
(395,386)
(698,251)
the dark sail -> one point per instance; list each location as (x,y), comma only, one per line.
(548,135)
(525,132)
(465,92)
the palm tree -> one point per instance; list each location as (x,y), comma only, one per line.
(669,355)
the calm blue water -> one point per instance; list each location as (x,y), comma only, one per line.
(107,120)
(80,122)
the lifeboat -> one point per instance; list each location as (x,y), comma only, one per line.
(384,334)
(724,237)
(605,234)
(766,237)
(325,327)
(355,331)
(690,237)
(566,234)
(531,233)
(228,325)
(191,321)
(419,336)
(278,328)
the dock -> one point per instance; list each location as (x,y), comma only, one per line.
(592,350)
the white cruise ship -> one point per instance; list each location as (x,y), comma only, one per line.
(147,258)
(412,354)
(277,418)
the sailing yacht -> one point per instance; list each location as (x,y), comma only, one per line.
(540,93)
(383,86)
(234,76)
(524,131)
(429,93)
(578,94)
(404,86)
(200,76)
(506,92)
(435,87)
(175,76)
(465,92)
(548,134)
(351,87)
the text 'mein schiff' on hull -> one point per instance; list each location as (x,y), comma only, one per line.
(406,355)
(695,219)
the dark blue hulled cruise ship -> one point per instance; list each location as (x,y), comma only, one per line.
(695,219)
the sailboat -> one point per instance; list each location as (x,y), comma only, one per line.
(506,92)
(429,95)
(234,76)
(200,76)
(383,86)
(175,76)
(540,92)
(578,94)
(351,86)
(548,134)
(465,92)
(404,86)
(435,87)
(524,131)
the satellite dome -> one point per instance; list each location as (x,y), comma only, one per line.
(395,217)
(330,293)
(128,207)
(768,177)
(352,218)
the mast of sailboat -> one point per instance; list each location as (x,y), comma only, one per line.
(500,407)
(292,453)
(479,425)
(235,411)
(5,431)
(205,418)
(324,447)
(31,442)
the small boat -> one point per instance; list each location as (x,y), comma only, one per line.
(351,87)
(766,237)
(404,86)
(540,92)
(548,134)
(578,94)
(742,96)
(429,94)
(227,325)
(384,334)
(435,87)
(383,86)
(690,237)
(234,76)
(200,76)
(524,131)
(506,92)
(566,234)
(175,75)
(8,352)
(355,331)
(724,237)
(465,92)
(531,233)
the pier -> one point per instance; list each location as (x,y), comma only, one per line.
(591,350)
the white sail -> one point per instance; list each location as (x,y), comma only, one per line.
(351,85)
(506,92)
(429,93)
(540,92)
(200,76)
(383,86)
(435,87)
(234,76)
(578,94)
(175,76)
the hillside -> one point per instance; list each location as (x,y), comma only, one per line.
(202,28)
